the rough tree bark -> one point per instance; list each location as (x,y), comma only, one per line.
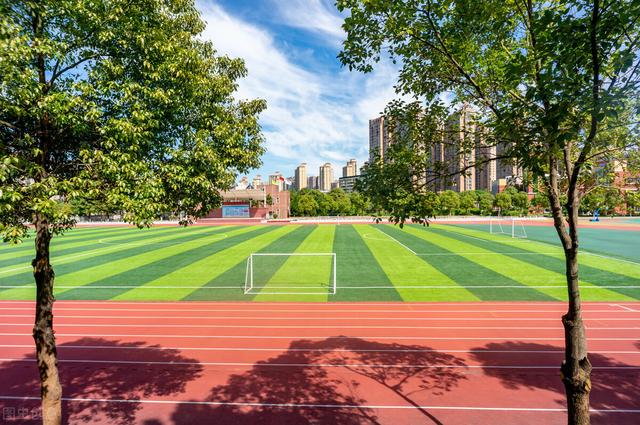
(576,368)
(43,335)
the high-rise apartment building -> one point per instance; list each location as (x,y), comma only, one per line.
(257,181)
(325,177)
(457,153)
(351,169)
(301,176)
(378,138)
(312,182)
(485,168)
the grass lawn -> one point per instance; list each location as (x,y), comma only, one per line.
(373,263)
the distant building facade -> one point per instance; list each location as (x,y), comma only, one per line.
(348,183)
(378,138)
(312,182)
(325,177)
(300,178)
(351,169)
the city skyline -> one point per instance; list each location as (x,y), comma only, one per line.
(317,111)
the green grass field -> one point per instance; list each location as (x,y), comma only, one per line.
(373,262)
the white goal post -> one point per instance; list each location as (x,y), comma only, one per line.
(511,226)
(307,273)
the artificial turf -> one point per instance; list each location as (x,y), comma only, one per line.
(374,263)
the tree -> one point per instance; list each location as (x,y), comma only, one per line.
(485,201)
(521,202)
(449,201)
(307,205)
(467,201)
(555,83)
(613,199)
(341,204)
(633,201)
(359,204)
(540,201)
(392,186)
(594,200)
(503,202)
(118,103)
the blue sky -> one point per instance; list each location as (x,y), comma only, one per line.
(317,111)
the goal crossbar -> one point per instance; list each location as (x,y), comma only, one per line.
(253,287)
(512,226)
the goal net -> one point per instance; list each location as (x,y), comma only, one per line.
(291,273)
(511,226)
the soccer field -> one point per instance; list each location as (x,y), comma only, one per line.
(371,263)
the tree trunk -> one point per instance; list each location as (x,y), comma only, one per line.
(576,368)
(43,335)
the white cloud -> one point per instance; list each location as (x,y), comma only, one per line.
(312,116)
(318,16)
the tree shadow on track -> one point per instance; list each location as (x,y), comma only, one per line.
(611,389)
(356,372)
(108,380)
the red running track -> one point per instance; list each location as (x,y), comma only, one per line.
(338,363)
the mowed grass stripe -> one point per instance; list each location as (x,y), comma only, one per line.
(320,240)
(141,242)
(280,241)
(144,268)
(609,264)
(201,272)
(83,270)
(592,277)
(357,266)
(468,270)
(406,269)
(60,245)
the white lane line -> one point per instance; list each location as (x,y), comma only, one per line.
(398,338)
(339,303)
(310,350)
(625,308)
(264,310)
(321,318)
(275,327)
(318,365)
(319,406)
(396,241)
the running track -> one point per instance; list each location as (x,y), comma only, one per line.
(336,363)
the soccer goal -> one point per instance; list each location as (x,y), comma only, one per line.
(511,226)
(291,273)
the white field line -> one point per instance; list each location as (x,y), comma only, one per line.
(310,350)
(319,406)
(394,338)
(319,365)
(274,310)
(145,325)
(257,290)
(582,251)
(63,259)
(251,305)
(393,239)
(527,319)
(485,253)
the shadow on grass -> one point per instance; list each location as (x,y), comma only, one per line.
(610,388)
(355,372)
(108,380)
